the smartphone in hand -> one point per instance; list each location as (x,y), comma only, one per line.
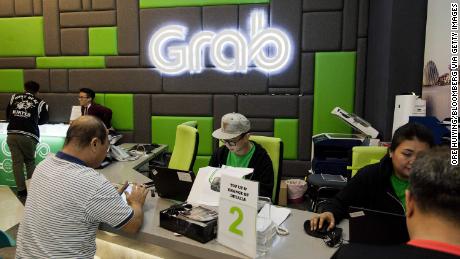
(128,190)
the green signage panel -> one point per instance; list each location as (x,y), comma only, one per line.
(46,146)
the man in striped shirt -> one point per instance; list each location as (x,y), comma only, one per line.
(68,198)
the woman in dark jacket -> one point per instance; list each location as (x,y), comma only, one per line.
(379,186)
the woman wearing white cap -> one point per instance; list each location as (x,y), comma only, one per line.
(239,151)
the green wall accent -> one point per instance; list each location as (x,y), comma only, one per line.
(22,37)
(99,99)
(201,161)
(103,41)
(177,3)
(122,110)
(11,81)
(71,62)
(334,86)
(288,131)
(164,131)
(6,172)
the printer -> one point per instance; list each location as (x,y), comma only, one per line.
(331,152)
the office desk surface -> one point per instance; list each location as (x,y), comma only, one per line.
(295,245)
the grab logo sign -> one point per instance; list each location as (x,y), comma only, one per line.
(173,58)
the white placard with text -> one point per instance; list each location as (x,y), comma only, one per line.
(238,214)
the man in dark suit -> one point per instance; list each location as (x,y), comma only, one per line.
(89,107)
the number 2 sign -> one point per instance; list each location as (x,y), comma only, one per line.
(237,214)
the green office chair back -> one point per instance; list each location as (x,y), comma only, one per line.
(193,124)
(274,148)
(365,155)
(185,148)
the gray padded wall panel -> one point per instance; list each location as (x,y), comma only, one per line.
(70,5)
(260,124)
(142,113)
(360,76)
(128,137)
(103,4)
(6,8)
(181,104)
(283,91)
(59,80)
(222,105)
(86,5)
(153,19)
(38,7)
(322,31)
(59,105)
(128,27)
(88,19)
(267,106)
(262,133)
(305,126)
(136,80)
(17,62)
(23,8)
(295,168)
(287,15)
(216,18)
(41,76)
(307,74)
(350,24)
(363,18)
(51,24)
(213,81)
(4,100)
(322,5)
(122,61)
(243,14)
(74,42)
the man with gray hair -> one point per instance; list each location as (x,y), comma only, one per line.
(432,213)
(239,151)
(68,198)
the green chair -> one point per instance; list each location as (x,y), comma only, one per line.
(365,155)
(274,148)
(185,148)
(193,124)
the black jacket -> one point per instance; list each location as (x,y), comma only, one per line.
(370,188)
(24,113)
(358,251)
(260,161)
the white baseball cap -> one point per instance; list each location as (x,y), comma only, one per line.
(231,126)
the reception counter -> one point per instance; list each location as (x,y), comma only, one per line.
(295,245)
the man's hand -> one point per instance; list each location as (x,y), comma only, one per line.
(121,189)
(136,200)
(317,221)
(137,195)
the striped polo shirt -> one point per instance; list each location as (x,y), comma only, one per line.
(66,202)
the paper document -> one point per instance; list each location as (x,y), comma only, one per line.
(277,214)
(75,113)
(202,193)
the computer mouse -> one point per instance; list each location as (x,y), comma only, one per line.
(319,233)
